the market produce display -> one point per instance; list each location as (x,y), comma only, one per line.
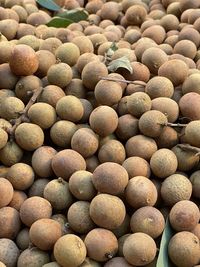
(99,133)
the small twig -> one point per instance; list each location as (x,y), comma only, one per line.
(23,116)
(173,124)
(123,81)
(187,147)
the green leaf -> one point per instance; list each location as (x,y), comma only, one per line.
(122,62)
(163,259)
(48,4)
(59,22)
(111,50)
(74,15)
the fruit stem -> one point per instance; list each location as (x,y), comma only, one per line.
(123,81)
(174,124)
(187,147)
(23,116)
(60,180)
(109,255)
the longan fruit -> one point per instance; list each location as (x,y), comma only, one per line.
(101,244)
(168,138)
(9,252)
(141,192)
(58,194)
(175,188)
(186,48)
(18,198)
(11,108)
(11,153)
(69,250)
(44,233)
(127,127)
(8,28)
(8,78)
(141,146)
(46,60)
(66,162)
(194,179)
(138,103)
(189,105)
(84,44)
(23,60)
(37,188)
(69,108)
(103,120)
(33,209)
(29,136)
(81,185)
(59,74)
(5,51)
(21,176)
(191,133)
(156,33)
(31,41)
(148,220)
(135,15)
(51,94)
(10,222)
(183,249)
(78,216)
(110,178)
(85,142)
(137,166)
(3,138)
(184,216)
(68,53)
(84,59)
(163,163)
(76,88)
(6,191)
(107,211)
(139,249)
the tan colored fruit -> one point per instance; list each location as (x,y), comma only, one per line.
(9,252)
(159,87)
(148,220)
(51,94)
(117,262)
(58,194)
(78,216)
(191,84)
(141,146)
(92,72)
(153,58)
(31,257)
(107,211)
(194,178)
(84,44)
(140,72)
(23,239)
(6,191)
(124,228)
(66,162)
(175,188)
(183,249)
(5,51)
(190,33)
(18,198)
(59,74)
(163,163)
(11,108)
(10,223)
(139,249)
(141,192)
(41,161)
(51,264)
(44,233)
(8,79)
(25,29)
(108,92)
(169,22)
(189,105)
(21,176)
(110,178)
(27,85)
(101,244)
(155,32)
(37,188)
(138,103)
(69,108)
(21,12)
(87,110)
(81,185)
(184,216)
(186,48)
(127,127)
(196,231)
(137,166)
(135,15)
(10,154)
(85,142)
(121,241)
(46,60)
(103,120)
(170,70)
(29,136)
(186,159)
(69,251)
(112,151)
(3,138)
(31,41)
(23,60)
(8,28)
(33,209)
(191,133)
(76,88)
(84,59)
(68,53)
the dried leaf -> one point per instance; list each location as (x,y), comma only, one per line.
(122,62)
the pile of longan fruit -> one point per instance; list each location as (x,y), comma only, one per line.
(100,134)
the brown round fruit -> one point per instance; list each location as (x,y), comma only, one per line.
(138,103)
(137,166)
(6,192)
(9,252)
(59,74)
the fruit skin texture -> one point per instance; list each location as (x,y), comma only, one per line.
(139,249)
(23,60)
(184,215)
(6,192)
(9,252)
(175,188)
(192,133)
(183,249)
(189,105)
(69,251)
(101,244)
(44,233)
